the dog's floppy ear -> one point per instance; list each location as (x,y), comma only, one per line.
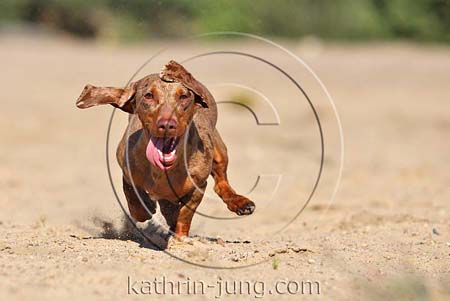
(173,71)
(122,98)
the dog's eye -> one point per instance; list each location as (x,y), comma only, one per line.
(148,95)
(185,95)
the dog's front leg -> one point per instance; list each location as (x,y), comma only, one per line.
(187,211)
(135,206)
(235,202)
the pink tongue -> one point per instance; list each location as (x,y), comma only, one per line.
(156,157)
(152,151)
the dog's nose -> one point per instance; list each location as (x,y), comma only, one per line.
(167,126)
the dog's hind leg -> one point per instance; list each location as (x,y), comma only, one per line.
(235,202)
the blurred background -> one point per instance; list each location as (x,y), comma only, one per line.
(137,20)
(386,64)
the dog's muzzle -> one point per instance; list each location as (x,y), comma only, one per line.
(161,151)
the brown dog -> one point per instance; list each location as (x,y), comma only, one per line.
(168,152)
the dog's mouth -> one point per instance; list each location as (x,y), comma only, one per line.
(161,151)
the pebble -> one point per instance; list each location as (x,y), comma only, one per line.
(311,261)
(298,249)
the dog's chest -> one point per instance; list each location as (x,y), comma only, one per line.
(181,180)
(167,187)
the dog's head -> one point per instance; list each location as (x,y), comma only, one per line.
(165,105)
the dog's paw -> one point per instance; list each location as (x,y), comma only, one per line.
(247,209)
(241,205)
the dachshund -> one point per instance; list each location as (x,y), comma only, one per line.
(170,146)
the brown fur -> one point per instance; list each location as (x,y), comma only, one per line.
(173,94)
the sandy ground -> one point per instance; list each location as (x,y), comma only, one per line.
(386,236)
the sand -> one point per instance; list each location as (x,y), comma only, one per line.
(385,236)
